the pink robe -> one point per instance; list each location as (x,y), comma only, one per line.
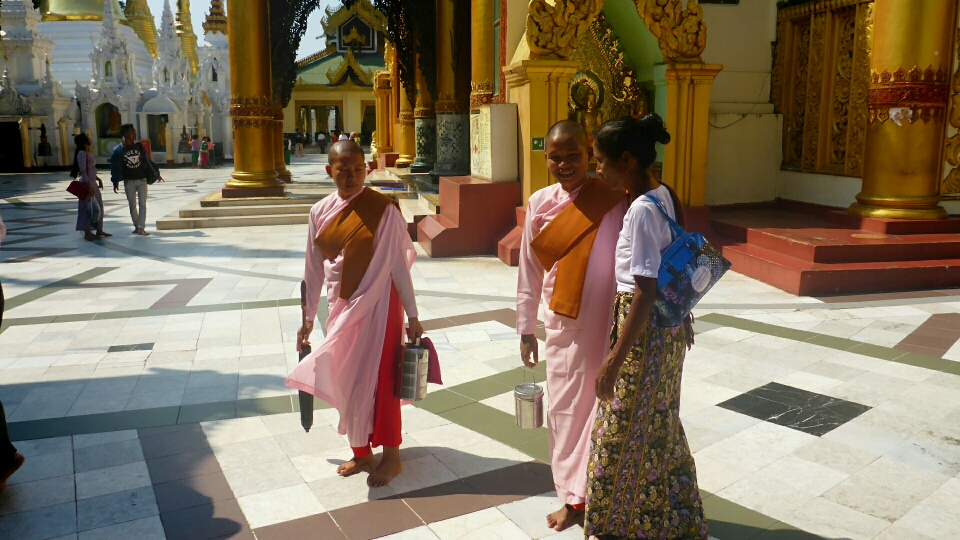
(343,370)
(575,348)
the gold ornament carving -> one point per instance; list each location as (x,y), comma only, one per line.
(604,73)
(681,33)
(794,118)
(779,63)
(820,6)
(382,81)
(481,93)
(843,76)
(552,30)
(821,84)
(362,9)
(448,104)
(406,118)
(912,95)
(254,112)
(349,61)
(811,136)
(859,87)
(951,182)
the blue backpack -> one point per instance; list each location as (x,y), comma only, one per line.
(689,268)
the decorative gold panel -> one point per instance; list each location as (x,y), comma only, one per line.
(606,75)
(820,79)
(951,180)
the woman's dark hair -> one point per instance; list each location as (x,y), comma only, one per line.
(639,138)
(81,141)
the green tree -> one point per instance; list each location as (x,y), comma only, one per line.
(288,23)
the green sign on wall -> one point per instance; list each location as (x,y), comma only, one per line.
(537,144)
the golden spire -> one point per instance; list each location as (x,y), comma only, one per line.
(216,19)
(185,31)
(141,20)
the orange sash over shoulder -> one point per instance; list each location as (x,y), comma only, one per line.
(352,232)
(568,239)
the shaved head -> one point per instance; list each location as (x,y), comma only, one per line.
(568,128)
(343,147)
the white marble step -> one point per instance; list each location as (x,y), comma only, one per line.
(252,210)
(176,223)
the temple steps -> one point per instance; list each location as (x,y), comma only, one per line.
(816,251)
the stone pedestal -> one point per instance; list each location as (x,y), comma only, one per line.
(426,138)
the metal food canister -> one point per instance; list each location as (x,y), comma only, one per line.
(414,363)
(528,399)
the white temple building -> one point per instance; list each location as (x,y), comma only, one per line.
(57,84)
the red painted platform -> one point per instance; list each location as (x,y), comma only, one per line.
(474,216)
(817,251)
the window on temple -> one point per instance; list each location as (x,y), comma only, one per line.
(213,75)
(108,69)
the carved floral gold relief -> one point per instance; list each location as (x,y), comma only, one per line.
(907,96)
(605,86)
(843,77)
(815,76)
(859,86)
(820,84)
(680,32)
(951,182)
(552,30)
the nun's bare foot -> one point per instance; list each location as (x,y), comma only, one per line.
(388,469)
(355,466)
(564,518)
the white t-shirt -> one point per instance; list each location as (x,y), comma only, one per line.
(644,236)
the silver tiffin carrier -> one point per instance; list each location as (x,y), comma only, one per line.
(414,363)
(528,399)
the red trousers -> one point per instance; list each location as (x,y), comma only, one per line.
(386,412)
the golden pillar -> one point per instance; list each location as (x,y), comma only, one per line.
(481,47)
(453,156)
(283,174)
(685,89)
(425,127)
(255,172)
(25,145)
(406,143)
(907,100)
(540,88)
(383,89)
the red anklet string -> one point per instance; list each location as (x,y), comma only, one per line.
(360,452)
(577,508)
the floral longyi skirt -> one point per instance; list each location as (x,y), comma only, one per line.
(641,478)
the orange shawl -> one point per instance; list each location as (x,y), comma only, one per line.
(352,232)
(568,239)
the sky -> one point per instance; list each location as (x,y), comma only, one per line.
(198,9)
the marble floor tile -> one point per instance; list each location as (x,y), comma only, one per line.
(39,447)
(757,446)
(115,508)
(320,438)
(479,458)
(767,495)
(221,432)
(336,492)
(276,506)
(44,466)
(530,514)
(450,436)
(37,494)
(149,528)
(248,453)
(107,455)
(112,479)
(868,491)
(831,520)
(40,523)
(419,533)
(802,475)
(262,477)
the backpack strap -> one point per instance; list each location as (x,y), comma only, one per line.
(675,228)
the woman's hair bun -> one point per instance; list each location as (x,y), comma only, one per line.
(655,128)
(81,140)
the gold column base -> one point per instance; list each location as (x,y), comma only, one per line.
(889,212)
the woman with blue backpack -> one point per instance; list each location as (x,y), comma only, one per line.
(641,477)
